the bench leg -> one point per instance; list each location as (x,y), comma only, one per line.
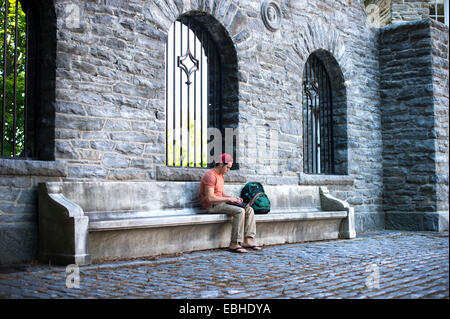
(63,229)
(347,229)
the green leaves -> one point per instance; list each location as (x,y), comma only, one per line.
(15,55)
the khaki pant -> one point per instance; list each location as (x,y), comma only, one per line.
(243,220)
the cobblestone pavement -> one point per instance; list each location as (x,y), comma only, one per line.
(385,264)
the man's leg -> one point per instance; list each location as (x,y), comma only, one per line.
(238,226)
(250,224)
(250,229)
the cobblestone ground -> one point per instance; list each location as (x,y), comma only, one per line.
(386,264)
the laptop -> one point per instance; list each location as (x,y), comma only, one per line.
(244,205)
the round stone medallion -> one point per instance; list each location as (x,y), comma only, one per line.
(271,15)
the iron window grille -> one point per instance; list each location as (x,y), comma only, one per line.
(193,93)
(18,53)
(318,140)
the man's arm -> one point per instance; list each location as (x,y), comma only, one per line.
(212,198)
(239,200)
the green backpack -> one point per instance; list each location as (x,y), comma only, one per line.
(262,202)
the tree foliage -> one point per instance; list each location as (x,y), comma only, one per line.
(12,45)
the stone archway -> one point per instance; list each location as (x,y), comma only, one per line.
(224,22)
(325,42)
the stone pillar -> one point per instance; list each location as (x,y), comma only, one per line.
(440,64)
(414,115)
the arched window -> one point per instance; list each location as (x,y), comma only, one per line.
(318,135)
(194,96)
(27,76)
(13,70)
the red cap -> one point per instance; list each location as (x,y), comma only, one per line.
(226,158)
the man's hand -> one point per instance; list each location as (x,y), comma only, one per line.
(235,200)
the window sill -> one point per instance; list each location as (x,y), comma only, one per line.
(310,179)
(25,167)
(186,174)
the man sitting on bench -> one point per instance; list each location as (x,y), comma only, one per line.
(214,200)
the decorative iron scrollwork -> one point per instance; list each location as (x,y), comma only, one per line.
(184,67)
(311,90)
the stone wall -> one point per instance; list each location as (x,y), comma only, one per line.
(18,205)
(110,98)
(409,10)
(412,103)
(19,178)
(385,12)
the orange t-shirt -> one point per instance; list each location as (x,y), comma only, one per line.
(211,179)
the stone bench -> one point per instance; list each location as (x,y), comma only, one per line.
(83,222)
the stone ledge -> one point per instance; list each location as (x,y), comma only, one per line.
(164,173)
(322,180)
(152,222)
(198,219)
(24,167)
(427,22)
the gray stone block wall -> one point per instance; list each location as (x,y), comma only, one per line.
(409,10)
(18,205)
(109,102)
(386,12)
(110,93)
(110,90)
(414,76)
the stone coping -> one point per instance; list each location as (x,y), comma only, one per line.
(413,24)
(179,174)
(194,174)
(320,180)
(26,167)
(204,218)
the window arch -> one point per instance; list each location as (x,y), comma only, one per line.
(317,119)
(200,88)
(324,116)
